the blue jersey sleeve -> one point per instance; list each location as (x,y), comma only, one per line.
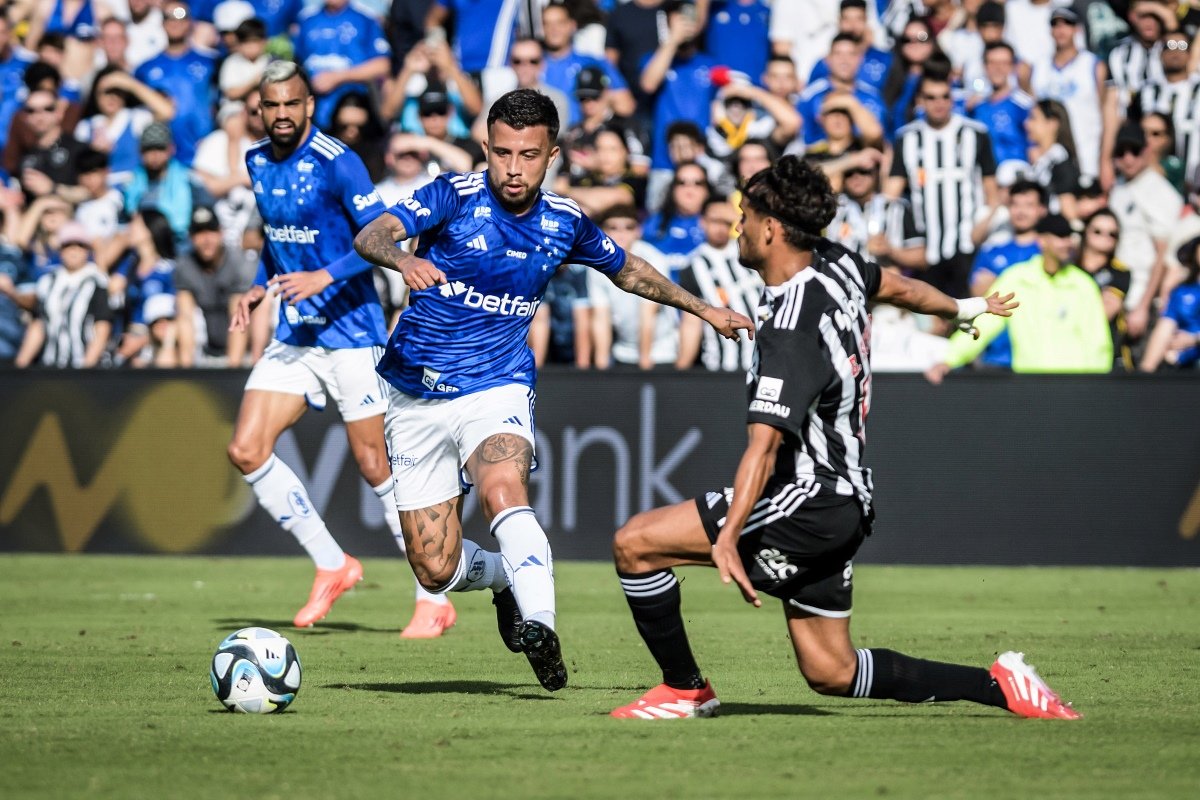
(355,189)
(593,249)
(428,208)
(1175,307)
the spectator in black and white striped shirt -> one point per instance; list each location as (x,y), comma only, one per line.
(945,163)
(72,302)
(1178,96)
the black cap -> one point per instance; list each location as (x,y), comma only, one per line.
(1130,136)
(1064,13)
(433,100)
(990,12)
(1054,225)
(590,83)
(203,219)
(1186,254)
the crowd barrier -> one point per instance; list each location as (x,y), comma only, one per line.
(985,469)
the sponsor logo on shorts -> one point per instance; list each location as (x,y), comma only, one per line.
(404,460)
(299,502)
(764,407)
(775,564)
(769,388)
(848,575)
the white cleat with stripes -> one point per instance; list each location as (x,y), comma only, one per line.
(664,702)
(1027,694)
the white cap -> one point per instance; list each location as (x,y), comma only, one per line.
(231,13)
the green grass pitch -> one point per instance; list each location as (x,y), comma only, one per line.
(104,690)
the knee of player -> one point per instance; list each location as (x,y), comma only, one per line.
(500,493)
(828,679)
(629,546)
(246,456)
(373,464)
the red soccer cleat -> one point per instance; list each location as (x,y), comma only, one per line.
(663,702)
(1027,694)
(328,587)
(429,620)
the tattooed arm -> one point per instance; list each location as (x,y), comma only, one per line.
(639,277)
(377,244)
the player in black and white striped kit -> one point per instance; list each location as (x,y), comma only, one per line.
(800,505)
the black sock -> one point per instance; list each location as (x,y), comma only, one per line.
(654,600)
(888,675)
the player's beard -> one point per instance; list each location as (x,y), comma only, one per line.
(518,205)
(746,254)
(286,141)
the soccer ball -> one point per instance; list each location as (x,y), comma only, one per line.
(255,671)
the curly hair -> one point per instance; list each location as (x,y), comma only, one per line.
(797,194)
(525,108)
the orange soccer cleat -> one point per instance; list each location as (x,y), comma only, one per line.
(1027,694)
(328,586)
(664,702)
(429,620)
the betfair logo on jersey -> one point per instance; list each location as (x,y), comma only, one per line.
(361,201)
(767,407)
(290,234)
(504,305)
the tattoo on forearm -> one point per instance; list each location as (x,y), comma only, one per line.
(508,447)
(377,245)
(640,278)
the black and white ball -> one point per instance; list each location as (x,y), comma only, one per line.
(255,671)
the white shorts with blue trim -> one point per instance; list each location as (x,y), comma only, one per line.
(429,441)
(346,376)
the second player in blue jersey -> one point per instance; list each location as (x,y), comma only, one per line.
(463,375)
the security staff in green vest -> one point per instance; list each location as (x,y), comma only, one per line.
(1060,325)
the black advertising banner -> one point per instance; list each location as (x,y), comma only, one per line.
(986,469)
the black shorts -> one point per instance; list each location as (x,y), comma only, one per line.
(804,559)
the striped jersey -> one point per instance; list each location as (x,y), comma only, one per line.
(811,376)
(469,334)
(717,277)
(943,168)
(70,304)
(855,223)
(1181,102)
(313,203)
(1132,65)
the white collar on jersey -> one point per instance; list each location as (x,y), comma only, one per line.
(803,276)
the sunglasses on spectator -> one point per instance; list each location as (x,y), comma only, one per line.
(437,111)
(620,226)
(1054,23)
(850,173)
(1111,233)
(520,62)
(38,109)
(1121,152)
(693,182)
(919,38)
(936,96)
(1178,46)
(344,125)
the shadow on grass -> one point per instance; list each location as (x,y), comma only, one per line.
(286,628)
(515,690)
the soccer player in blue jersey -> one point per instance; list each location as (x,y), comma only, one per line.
(310,191)
(462,375)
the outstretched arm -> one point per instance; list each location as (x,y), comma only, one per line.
(639,277)
(919,296)
(377,244)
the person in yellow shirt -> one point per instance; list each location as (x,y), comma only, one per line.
(1062,326)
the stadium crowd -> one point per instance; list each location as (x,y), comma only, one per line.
(1047,148)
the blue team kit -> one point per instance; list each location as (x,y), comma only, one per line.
(497,267)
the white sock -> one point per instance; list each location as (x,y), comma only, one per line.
(477,569)
(282,495)
(527,562)
(386,492)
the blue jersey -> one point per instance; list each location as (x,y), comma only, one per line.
(338,40)
(811,98)
(1005,121)
(737,36)
(996,259)
(469,334)
(313,203)
(277,15)
(1183,306)
(12,87)
(561,73)
(686,94)
(190,81)
(874,69)
(483,31)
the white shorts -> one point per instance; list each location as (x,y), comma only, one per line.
(430,440)
(347,376)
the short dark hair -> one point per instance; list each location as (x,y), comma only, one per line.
(1024,186)
(621,211)
(782,57)
(525,108)
(797,194)
(90,160)
(685,128)
(845,37)
(770,147)
(990,46)
(714,199)
(860,4)
(253,28)
(40,71)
